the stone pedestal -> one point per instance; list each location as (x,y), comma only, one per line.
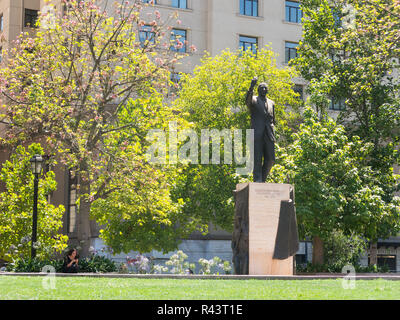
(265,236)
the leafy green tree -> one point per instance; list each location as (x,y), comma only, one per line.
(350,54)
(137,212)
(213,97)
(74,84)
(16,204)
(335,186)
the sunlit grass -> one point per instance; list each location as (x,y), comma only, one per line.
(70,288)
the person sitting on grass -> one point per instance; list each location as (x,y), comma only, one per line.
(71,262)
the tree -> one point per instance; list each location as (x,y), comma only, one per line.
(213,97)
(138,212)
(350,54)
(73,83)
(335,186)
(16,205)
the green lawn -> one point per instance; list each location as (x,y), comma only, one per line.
(102,288)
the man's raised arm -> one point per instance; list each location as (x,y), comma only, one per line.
(249,96)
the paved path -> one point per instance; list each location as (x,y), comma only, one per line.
(361,276)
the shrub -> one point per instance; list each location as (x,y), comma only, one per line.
(97,264)
(158,269)
(341,250)
(178,263)
(214,265)
(372,269)
(33,265)
(139,264)
(335,268)
(93,264)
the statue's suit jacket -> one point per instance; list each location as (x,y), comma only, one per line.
(262,117)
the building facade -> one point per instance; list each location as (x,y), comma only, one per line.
(212,26)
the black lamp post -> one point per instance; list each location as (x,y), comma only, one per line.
(36,166)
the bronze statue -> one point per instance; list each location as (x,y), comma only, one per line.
(262,112)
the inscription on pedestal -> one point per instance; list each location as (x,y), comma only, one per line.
(261,217)
(268,193)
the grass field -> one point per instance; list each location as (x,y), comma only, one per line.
(67,288)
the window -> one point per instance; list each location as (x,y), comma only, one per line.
(337,55)
(1,22)
(337,104)
(337,17)
(175,77)
(146,34)
(249,8)
(293,12)
(179,4)
(68,6)
(246,43)
(290,51)
(65,8)
(31,17)
(386,261)
(178,40)
(71,205)
(299,89)
(301,259)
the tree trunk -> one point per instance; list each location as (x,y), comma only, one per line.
(318,251)
(83,228)
(373,253)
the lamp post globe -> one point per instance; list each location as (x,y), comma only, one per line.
(36,167)
(36,164)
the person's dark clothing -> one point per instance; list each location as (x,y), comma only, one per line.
(74,268)
(262,121)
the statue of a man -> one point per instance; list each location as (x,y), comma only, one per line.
(262,112)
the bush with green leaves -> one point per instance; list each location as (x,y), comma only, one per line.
(33,265)
(341,250)
(92,264)
(97,264)
(335,268)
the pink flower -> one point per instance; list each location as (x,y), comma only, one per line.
(179,44)
(159,61)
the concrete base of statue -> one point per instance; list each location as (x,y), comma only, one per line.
(265,237)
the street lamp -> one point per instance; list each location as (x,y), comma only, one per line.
(36,167)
